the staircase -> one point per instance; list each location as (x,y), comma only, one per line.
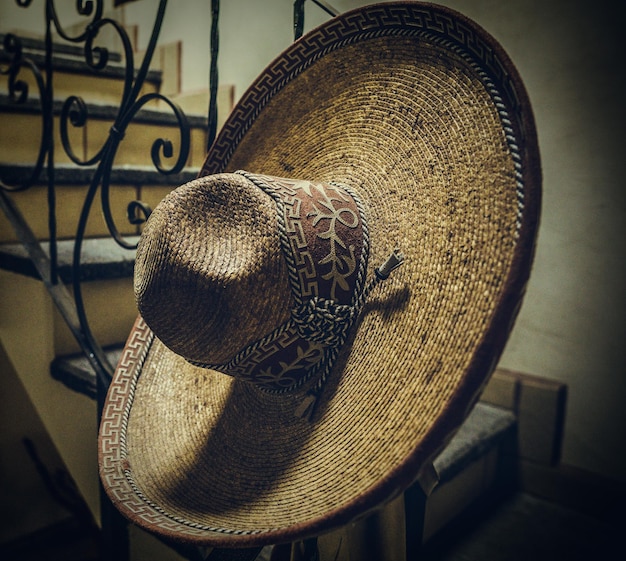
(39,350)
(41,353)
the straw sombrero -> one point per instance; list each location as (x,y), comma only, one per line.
(328,298)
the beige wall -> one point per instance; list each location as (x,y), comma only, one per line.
(570,55)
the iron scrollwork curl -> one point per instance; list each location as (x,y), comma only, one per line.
(18,94)
(85,8)
(137,212)
(74,113)
(161,147)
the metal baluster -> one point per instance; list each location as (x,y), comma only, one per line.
(298,15)
(213,75)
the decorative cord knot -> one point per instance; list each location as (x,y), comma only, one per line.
(391,264)
(323,321)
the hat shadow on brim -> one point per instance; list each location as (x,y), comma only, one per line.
(238,436)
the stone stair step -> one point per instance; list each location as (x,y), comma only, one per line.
(484,427)
(75,372)
(37,45)
(21,132)
(73,74)
(128,183)
(77,65)
(104,111)
(106,287)
(102,259)
(476,464)
(69,174)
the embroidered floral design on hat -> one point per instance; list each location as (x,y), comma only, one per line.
(323,235)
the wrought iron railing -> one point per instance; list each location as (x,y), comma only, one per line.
(74,114)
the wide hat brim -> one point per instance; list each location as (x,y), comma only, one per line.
(422,113)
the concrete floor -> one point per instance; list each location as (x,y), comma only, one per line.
(525,528)
(519,528)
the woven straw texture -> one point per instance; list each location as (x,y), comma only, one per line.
(443,156)
(215,260)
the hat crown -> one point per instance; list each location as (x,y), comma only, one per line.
(209,274)
(255,276)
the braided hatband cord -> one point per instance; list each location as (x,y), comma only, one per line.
(317,319)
